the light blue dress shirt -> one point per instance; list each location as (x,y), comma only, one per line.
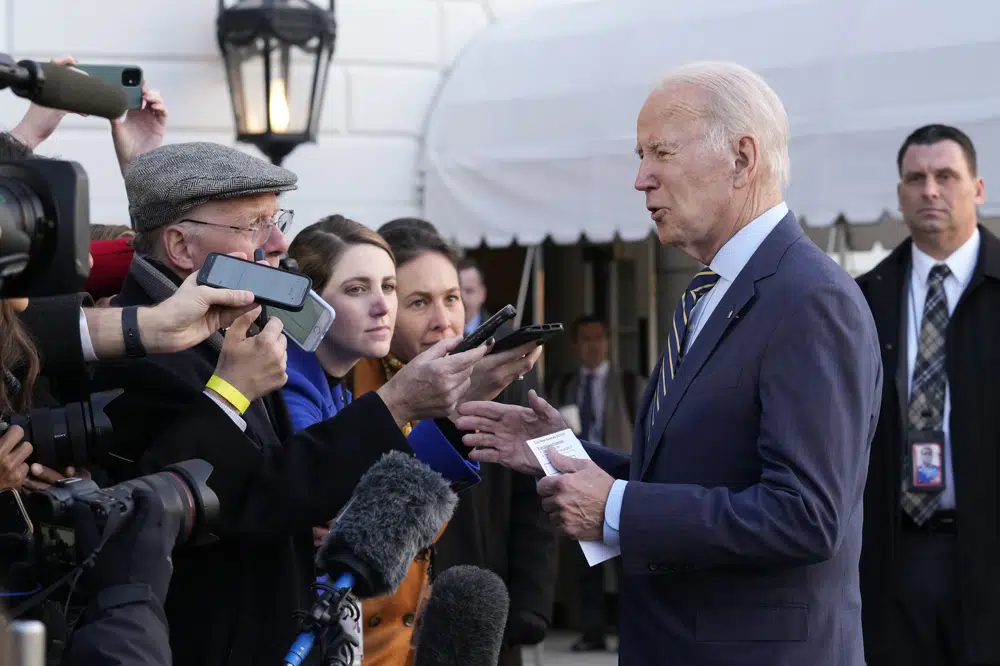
(474,323)
(728,263)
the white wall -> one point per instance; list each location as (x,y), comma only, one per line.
(389,60)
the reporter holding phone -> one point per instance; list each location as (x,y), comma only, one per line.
(232,602)
(499,523)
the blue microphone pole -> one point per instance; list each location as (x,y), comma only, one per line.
(324,612)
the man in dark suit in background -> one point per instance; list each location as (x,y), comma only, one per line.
(930,576)
(605,399)
(739,512)
(473,283)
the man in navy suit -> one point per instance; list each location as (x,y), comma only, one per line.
(739,512)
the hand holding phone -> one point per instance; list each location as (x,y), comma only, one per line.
(128,77)
(486,330)
(540,333)
(271,286)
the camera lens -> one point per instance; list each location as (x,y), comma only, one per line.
(183,489)
(131,77)
(72,435)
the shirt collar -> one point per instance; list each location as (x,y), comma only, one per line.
(600,372)
(961,263)
(734,255)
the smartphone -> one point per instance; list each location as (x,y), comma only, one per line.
(485,330)
(271,286)
(536,332)
(308,326)
(129,77)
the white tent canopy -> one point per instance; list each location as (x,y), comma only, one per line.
(533,133)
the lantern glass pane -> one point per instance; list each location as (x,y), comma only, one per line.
(291,89)
(251,69)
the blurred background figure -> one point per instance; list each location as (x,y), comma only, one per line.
(601,400)
(111,248)
(472,280)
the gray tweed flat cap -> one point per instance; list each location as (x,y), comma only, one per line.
(168,181)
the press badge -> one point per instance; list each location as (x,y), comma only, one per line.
(926,461)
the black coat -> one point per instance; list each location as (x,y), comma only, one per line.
(499,525)
(120,628)
(232,602)
(973,367)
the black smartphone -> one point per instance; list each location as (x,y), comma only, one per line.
(485,330)
(271,286)
(535,332)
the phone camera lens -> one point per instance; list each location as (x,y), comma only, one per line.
(131,77)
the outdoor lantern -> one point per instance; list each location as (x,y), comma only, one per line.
(277,54)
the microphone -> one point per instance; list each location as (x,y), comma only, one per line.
(464,620)
(60,87)
(397,509)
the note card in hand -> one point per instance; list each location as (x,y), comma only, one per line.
(566,443)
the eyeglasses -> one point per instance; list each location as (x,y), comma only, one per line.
(259,231)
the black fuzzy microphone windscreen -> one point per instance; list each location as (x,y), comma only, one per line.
(397,509)
(464,620)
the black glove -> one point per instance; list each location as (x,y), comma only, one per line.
(525,628)
(139,553)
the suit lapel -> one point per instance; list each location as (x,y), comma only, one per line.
(888,301)
(763,263)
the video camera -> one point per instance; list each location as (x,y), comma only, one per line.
(44,204)
(182,489)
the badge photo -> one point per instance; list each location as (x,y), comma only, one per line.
(926,465)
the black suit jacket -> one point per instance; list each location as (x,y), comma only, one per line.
(231,602)
(973,367)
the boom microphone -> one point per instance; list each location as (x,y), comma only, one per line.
(397,509)
(60,87)
(464,620)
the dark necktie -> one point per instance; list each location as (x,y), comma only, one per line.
(587,413)
(926,410)
(671,360)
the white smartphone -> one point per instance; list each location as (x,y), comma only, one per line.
(308,326)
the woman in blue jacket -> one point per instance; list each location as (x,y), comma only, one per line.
(353,269)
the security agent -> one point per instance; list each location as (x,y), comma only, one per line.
(232,602)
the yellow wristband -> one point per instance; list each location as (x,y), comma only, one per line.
(229,392)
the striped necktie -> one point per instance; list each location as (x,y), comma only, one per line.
(926,408)
(700,285)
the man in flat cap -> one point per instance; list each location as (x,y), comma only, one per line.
(232,601)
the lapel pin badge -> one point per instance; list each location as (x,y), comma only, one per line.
(730,315)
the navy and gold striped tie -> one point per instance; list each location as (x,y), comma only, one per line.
(699,286)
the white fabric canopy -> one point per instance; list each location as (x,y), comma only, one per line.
(533,133)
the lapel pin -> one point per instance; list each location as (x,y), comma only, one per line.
(730,315)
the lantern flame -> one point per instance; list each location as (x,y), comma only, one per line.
(278,107)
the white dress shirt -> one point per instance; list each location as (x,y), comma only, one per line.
(90,355)
(961,263)
(599,390)
(729,261)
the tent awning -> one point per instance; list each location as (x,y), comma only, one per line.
(533,133)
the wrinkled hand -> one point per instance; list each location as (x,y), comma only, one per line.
(255,366)
(430,385)
(40,122)
(41,477)
(502,431)
(191,315)
(496,372)
(575,500)
(142,130)
(14,453)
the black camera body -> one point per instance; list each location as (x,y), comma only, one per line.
(44,228)
(181,488)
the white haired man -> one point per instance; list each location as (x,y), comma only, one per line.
(738,512)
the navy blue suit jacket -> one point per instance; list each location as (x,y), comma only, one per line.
(741,522)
